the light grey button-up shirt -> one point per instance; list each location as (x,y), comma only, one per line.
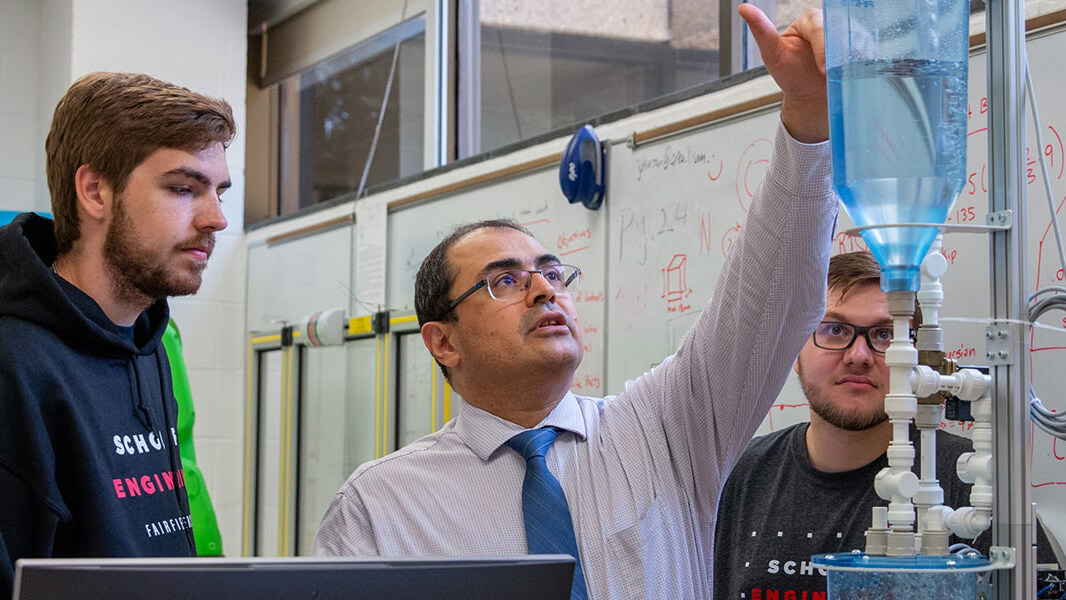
(642,471)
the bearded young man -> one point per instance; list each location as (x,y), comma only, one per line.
(89,463)
(808,489)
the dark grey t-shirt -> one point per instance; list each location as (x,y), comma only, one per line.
(777,510)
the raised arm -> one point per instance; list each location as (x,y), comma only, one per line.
(796,61)
(707,401)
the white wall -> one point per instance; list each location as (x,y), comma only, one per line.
(19,103)
(200,44)
(34,73)
(53,78)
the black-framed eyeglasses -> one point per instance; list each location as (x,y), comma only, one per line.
(508,284)
(834,335)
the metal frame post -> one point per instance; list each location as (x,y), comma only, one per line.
(1013,515)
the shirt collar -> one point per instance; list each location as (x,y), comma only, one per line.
(485,432)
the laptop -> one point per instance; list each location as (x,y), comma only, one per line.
(525,577)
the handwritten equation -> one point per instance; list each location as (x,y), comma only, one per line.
(672,159)
(640,229)
(673,162)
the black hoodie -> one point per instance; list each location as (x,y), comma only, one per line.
(89,464)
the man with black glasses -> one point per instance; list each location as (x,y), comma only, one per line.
(627,484)
(808,489)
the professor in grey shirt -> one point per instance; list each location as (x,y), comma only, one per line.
(641,471)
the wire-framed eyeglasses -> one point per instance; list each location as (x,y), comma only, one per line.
(508,284)
(834,335)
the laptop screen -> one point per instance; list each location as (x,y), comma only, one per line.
(532,577)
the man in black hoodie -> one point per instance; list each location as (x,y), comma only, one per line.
(89,463)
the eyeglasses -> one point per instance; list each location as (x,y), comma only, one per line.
(509,284)
(831,335)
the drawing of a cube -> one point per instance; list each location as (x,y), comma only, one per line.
(674,278)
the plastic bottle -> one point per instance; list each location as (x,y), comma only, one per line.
(897,73)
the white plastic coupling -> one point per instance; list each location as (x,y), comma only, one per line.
(967,384)
(968,522)
(928,417)
(930,295)
(972,384)
(901,457)
(936,517)
(901,406)
(924,381)
(901,355)
(929,494)
(973,466)
(933,533)
(877,534)
(896,484)
(981,409)
(879,518)
(934,265)
(900,542)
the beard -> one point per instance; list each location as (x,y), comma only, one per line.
(836,416)
(139,273)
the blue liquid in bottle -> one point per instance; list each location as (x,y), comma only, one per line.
(898,130)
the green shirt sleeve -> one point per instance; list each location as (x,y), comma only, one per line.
(204,523)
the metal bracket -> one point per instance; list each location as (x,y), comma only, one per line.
(1002,557)
(998,343)
(1003,219)
(1000,221)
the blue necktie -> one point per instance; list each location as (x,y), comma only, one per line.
(549,529)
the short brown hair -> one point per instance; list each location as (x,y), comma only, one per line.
(849,270)
(846,271)
(112,122)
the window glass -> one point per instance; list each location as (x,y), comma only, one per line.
(546,65)
(324,403)
(268,534)
(361,413)
(421,391)
(328,115)
(786,11)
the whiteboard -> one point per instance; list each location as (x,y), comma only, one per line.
(311,282)
(676,208)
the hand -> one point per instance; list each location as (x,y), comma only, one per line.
(796,61)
